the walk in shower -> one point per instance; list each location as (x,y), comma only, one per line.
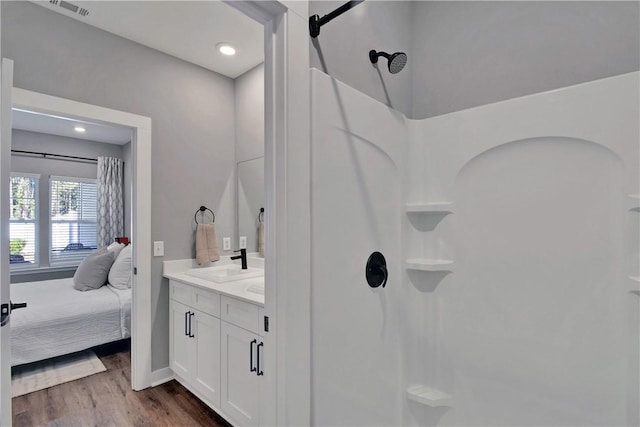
(510,233)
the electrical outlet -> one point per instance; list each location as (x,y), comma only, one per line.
(226,243)
(158,248)
(243,242)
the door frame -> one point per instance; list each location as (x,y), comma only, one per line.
(287,158)
(140,211)
(6,79)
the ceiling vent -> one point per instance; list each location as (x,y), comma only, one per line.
(70,7)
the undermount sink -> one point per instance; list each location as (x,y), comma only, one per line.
(224,273)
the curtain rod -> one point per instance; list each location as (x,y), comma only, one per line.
(61,156)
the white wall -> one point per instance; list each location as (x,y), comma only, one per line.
(192,113)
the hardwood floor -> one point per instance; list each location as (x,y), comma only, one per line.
(106,399)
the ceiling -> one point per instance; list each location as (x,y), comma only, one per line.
(188,30)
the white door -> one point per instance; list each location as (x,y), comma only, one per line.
(6,81)
(206,369)
(241,386)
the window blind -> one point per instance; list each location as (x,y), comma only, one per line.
(73,203)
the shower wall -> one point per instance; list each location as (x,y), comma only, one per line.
(510,232)
(356,147)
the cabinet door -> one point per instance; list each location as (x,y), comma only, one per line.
(240,388)
(180,345)
(206,369)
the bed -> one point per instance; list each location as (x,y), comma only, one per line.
(59,319)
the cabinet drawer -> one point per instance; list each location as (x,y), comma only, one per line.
(180,292)
(206,301)
(243,314)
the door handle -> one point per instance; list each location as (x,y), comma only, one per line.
(253,368)
(6,309)
(259,372)
(190,331)
(186,328)
(18,305)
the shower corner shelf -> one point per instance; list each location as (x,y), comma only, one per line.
(634,200)
(430,208)
(635,278)
(429,396)
(423,264)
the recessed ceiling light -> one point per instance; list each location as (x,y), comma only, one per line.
(79,129)
(226,49)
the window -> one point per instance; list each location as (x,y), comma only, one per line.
(23,221)
(73,203)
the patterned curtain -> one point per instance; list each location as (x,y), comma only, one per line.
(110,204)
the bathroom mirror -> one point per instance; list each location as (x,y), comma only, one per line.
(250,200)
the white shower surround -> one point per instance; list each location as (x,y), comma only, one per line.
(511,237)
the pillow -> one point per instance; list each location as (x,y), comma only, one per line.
(120,273)
(93,270)
(115,247)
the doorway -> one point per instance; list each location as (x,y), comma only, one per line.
(139,212)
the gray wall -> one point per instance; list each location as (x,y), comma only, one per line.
(249,95)
(342,48)
(465,54)
(192,112)
(470,53)
(32,141)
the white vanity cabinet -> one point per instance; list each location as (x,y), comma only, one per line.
(217,351)
(195,339)
(242,361)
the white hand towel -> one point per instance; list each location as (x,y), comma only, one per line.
(206,243)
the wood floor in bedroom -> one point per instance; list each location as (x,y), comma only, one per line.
(106,399)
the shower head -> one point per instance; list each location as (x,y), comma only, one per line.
(396,61)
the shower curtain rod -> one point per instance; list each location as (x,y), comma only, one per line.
(315,22)
(61,156)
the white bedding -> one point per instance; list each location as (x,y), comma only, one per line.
(60,320)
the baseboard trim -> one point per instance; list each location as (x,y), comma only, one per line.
(161,376)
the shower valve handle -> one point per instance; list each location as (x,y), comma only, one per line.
(376,270)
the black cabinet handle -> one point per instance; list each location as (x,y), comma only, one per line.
(253,368)
(186,328)
(190,331)
(259,372)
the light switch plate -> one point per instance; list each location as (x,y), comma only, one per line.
(226,243)
(243,242)
(158,248)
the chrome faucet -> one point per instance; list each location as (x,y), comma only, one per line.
(242,256)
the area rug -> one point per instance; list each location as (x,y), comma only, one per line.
(48,373)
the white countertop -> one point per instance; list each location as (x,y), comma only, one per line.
(175,270)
